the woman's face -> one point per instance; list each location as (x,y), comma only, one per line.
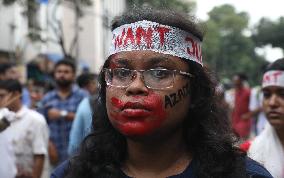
(273,106)
(137,110)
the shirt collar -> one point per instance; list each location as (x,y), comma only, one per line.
(21,112)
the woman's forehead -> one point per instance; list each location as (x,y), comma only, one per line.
(147,58)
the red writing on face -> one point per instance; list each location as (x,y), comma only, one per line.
(271,77)
(138,117)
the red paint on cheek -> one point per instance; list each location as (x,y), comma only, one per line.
(147,123)
(117,103)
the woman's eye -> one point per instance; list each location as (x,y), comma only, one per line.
(160,73)
(266,94)
(122,73)
(281,94)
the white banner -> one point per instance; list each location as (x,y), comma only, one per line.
(273,78)
(147,35)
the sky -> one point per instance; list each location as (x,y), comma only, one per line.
(256,9)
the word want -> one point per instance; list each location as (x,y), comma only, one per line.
(158,34)
(174,98)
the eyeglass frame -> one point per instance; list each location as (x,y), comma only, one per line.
(175,72)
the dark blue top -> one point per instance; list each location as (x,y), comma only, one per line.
(254,170)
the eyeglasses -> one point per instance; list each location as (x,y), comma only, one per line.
(152,78)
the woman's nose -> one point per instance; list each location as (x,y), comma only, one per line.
(137,86)
(273,100)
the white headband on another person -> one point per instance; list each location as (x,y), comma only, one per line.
(273,78)
(147,35)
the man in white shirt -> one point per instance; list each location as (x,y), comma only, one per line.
(29,133)
(8,164)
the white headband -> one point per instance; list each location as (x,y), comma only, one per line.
(147,35)
(273,78)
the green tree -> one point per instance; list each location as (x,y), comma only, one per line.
(180,5)
(270,32)
(226,49)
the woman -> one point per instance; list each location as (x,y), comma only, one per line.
(268,147)
(157,112)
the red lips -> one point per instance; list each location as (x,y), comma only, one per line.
(135,110)
(135,105)
(138,117)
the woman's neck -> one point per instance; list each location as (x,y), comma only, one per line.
(158,158)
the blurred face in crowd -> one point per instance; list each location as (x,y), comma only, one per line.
(92,87)
(152,103)
(237,81)
(4,94)
(273,105)
(64,75)
(36,94)
(8,99)
(11,73)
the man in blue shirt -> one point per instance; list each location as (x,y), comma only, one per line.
(59,107)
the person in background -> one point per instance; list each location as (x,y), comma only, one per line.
(256,111)
(10,71)
(29,133)
(82,123)
(37,91)
(88,82)
(240,123)
(8,167)
(59,107)
(268,147)
(157,114)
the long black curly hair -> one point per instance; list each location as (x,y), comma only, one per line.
(206,132)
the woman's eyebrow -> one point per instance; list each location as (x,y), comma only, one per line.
(150,62)
(160,60)
(121,61)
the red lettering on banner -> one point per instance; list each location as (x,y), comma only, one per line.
(191,52)
(129,36)
(162,31)
(147,35)
(118,39)
(266,78)
(272,76)
(195,49)
(199,51)
(276,74)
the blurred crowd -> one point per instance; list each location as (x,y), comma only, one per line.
(36,116)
